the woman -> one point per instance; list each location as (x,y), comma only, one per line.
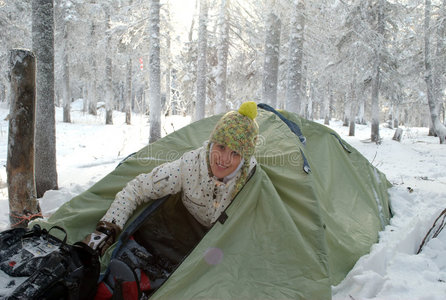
(208,177)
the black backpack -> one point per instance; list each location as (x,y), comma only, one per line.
(38,265)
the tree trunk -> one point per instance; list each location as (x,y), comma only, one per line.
(347,109)
(66,79)
(92,106)
(154,71)
(222,54)
(128,97)
(23,205)
(109,99)
(376,76)
(309,108)
(295,58)
(375,106)
(353,109)
(361,119)
(201,62)
(271,61)
(439,128)
(45,135)
(330,104)
(398,135)
(2,91)
(84,98)
(168,74)
(325,106)
(396,116)
(304,101)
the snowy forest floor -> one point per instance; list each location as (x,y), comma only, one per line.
(87,150)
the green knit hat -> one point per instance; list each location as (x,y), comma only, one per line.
(238,130)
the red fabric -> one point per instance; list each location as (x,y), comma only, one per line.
(130,290)
(103,292)
(144,282)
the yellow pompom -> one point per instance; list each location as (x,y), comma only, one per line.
(248,109)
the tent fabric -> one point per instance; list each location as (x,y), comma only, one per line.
(289,234)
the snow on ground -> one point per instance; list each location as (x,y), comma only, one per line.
(417,169)
(87,150)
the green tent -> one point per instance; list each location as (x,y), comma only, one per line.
(311,209)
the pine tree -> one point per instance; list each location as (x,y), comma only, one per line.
(200,103)
(43,47)
(154,71)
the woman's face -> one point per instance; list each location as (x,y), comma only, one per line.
(223,160)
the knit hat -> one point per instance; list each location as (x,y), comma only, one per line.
(238,131)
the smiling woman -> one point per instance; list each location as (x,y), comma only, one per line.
(234,137)
(224,161)
(207,179)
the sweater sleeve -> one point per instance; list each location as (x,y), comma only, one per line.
(163,180)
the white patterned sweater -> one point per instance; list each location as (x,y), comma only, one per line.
(204,197)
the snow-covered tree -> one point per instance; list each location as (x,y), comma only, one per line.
(66,91)
(295,57)
(15,22)
(432,81)
(271,60)
(222,55)
(128,94)
(154,71)
(23,204)
(43,47)
(200,102)
(109,95)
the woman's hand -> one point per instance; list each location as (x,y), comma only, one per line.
(103,237)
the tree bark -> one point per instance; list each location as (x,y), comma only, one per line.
(66,79)
(222,54)
(375,137)
(201,62)
(271,61)
(154,71)
(168,79)
(128,97)
(45,135)
(432,95)
(295,58)
(109,94)
(353,109)
(23,205)
(92,101)
(398,135)
(330,104)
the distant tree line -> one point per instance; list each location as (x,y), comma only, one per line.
(355,60)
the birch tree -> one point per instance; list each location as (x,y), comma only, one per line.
(295,57)
(200,102)
(271,59)
(154,71)
(431,81)
(43,47)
